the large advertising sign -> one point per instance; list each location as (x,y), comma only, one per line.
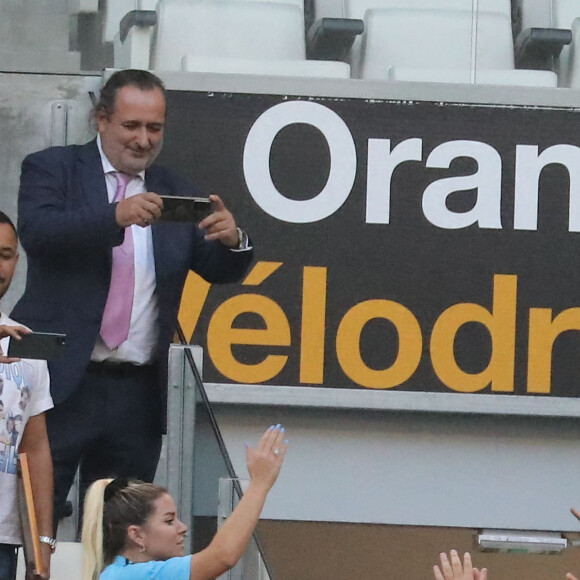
(402,245)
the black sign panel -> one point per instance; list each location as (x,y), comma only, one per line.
(400,245)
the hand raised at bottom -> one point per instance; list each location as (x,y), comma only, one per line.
(453,569)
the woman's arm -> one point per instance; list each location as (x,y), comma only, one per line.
(232,538)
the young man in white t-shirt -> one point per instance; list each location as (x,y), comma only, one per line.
(24,397)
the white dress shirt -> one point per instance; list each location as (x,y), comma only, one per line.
(143,328)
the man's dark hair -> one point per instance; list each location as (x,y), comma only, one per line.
(141,79)
(4,219)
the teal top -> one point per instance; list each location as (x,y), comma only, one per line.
(172,569)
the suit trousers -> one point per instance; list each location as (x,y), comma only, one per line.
(109,427)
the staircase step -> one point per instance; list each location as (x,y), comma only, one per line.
(39,61)
(35,6)
(19,28)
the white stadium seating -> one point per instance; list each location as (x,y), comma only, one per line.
(439,45)
(558,14)
(412,40)
(233,36)
(357,8)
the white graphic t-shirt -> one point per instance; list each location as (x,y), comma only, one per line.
(24,392)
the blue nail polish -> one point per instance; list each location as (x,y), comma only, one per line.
(278,426)
(285,441)
(270,427)
(282,430)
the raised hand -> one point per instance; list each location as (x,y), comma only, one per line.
(576,514)
(265,461)
(453,569)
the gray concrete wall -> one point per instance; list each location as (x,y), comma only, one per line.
(37,111)
(423,469)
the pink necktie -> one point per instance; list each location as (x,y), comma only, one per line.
(117,314)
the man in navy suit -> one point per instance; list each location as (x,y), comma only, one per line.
(110,401)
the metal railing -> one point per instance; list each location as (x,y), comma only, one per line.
(189,409)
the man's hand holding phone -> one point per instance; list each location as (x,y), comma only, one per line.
(177,208)
(220,224)
(142,210)
(210,214)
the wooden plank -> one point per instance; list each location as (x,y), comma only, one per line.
(30,536)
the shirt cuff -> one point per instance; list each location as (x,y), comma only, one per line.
(243,242)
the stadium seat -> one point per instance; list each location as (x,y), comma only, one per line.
(228,36)
(564,15)
(436,45)
(112,12)
(532,13)
(249,30)
(547,13)
(357,8)
(521,78)
(132,44)
(574,56)
(299,68)
(553,17)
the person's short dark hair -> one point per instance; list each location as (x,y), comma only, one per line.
(4,219)
(142,79)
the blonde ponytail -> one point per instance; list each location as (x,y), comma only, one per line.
(92,534)
(110,508)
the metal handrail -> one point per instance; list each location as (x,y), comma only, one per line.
(218,435)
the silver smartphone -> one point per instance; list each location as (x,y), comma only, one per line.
(184,209)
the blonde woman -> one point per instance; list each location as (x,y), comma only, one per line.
(131,530)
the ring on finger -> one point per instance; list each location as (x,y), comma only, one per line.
(276,452)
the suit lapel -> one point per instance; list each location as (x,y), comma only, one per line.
(154,183)
(92,178)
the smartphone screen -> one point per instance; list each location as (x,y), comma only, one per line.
(38,345)
(184,209)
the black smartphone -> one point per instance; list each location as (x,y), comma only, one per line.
(41,345)
(184,209)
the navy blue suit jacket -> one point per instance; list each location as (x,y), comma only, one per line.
(67,227)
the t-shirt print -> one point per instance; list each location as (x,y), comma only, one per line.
(13,409)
